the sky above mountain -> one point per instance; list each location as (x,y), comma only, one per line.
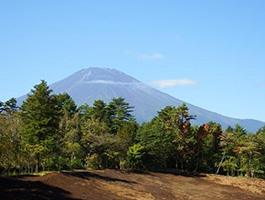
(208,53)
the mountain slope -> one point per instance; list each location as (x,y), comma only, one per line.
(88,85)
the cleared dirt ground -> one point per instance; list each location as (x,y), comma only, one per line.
(124,185)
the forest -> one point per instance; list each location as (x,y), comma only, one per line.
(48,132)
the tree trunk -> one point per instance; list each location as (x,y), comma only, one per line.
(38,163)
(182,165)
(37,168)
(197,162)
(220,164)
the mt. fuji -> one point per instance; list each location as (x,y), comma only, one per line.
(88,85)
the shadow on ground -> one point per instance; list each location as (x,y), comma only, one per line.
(88,175)
(12,188)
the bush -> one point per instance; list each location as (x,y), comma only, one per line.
(75,163)
(94,162)
(135,157)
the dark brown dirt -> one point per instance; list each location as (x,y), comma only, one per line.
(124,185)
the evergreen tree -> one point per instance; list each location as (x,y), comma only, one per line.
(118,111)
(39,116)
(99,111)
(65,104)
(9,107)
(1,106)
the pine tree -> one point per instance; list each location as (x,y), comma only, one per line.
(39,116)
(118,111)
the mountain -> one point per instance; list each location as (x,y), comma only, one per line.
(88,85)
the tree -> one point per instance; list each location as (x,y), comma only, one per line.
(260,139)
(99,111)
(1,106)
(201,133)
(185,140)
(240,153)
(9,107)
(39,116)
(10,138)
(118,111)
(227,145)
(249,155)
(126,136)
(208,145)
(158,144)
(168,139)
(100,147)
(261,131)
(239,130)
(65,104)
(69,144)
(135,157)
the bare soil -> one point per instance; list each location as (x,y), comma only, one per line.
(126,185)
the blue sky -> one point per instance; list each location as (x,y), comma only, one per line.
(210,53)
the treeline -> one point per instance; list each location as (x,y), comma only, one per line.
(49,132)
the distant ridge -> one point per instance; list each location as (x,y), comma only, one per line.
(88,85)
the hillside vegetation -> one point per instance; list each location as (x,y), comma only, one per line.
(49,132)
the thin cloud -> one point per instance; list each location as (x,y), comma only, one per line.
(173,83)
(111,82)
(142,56)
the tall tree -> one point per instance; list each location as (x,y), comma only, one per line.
(185,140)
(119,111)
(99,111)
(68,142)
(168,138)
(9,107)
(40,120)
(65,104)
(100,147)
(10,138)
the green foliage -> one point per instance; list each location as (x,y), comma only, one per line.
(39,118)
(99,111)
(208,149)
(135,157)
(49,132)
(9,107)
(94,162)
(118,112)
(65,104)
(230,165)
(168,139)
(68,140)
(10,142)
(242,153)
(98,142)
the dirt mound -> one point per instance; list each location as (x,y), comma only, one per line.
(116,184)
